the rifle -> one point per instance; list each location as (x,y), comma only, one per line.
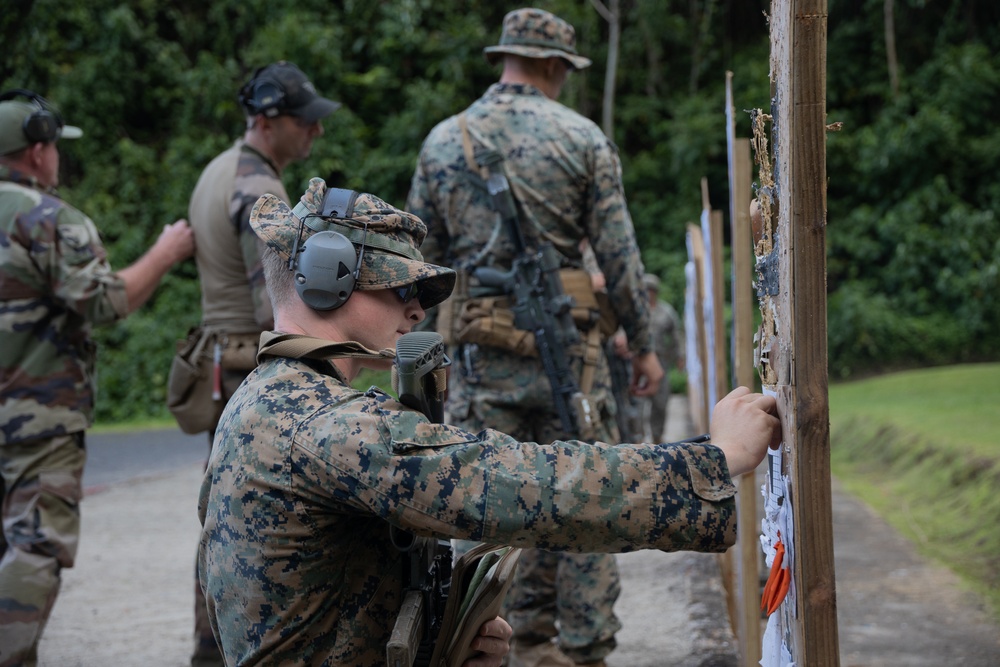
(419,377)
(540,305)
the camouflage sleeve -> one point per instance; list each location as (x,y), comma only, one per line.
(251,248)
(438,479)
(81,276)
(612,237)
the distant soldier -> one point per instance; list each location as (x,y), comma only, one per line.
(667,338)
(55,283)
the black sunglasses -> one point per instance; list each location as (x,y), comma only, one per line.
(407,293)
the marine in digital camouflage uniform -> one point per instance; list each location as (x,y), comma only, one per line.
(55,284)
(307,473)
(284,116)
(566,177)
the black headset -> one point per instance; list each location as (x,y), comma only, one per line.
(262,95)
(324,277)
(45,124)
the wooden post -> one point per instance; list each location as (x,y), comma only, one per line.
(791,286)
(715,343)
(694,322)
(747,565)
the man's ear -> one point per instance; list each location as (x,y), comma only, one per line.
(34,154)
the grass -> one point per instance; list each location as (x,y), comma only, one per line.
(923,449)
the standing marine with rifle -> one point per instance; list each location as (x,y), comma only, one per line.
(507,322)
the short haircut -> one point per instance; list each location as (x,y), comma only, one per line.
(279,279)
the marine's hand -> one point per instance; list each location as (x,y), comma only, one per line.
(744,425)
(646,374)
(620,344)
(493,642)
(176,241)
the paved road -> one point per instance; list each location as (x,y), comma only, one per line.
(119,457)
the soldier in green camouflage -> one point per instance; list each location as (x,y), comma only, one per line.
(308,473)
(55,283)
(566,177)
(284,116)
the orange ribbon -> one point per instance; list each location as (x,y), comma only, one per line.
(778,580)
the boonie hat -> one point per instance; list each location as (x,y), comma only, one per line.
(17,118)
(536,33)
(282,88)
(391,239)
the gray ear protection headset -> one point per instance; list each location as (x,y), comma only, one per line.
(45,124)
(326,267)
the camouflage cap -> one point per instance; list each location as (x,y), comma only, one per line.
(47,126)
(536,33)
(651,281)
(391,239)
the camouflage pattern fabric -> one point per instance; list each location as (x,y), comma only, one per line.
(41,485)
(578,590)
(227,251)
(566,176)
(55,282)
(391,239)
(572,589)
(629,407)
(295,552)
(567,179)
(234,297)
(666,335)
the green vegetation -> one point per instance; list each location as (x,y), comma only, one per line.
(914,244)
(922,448)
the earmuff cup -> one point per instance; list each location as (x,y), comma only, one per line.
(325,271)
(43,125)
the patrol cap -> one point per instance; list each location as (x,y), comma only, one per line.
(391,238)
(18,119)
(536,33)
(281,88)
(651,281)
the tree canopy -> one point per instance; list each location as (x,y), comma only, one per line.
(914,245)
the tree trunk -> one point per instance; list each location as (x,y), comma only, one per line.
(890,48)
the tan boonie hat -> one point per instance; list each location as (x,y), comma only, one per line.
(536,33)
(391,239)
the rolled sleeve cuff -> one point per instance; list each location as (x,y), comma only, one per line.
(698,507)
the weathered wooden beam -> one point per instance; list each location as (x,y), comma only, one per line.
(792,286)
(747,558)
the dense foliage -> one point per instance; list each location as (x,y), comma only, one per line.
(914,244)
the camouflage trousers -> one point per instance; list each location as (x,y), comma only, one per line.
(206,649)
(654,412)
(42,486)
(562,595)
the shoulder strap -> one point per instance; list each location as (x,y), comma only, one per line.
(296,346)
(470,153)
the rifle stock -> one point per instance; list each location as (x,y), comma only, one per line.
(419,377)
